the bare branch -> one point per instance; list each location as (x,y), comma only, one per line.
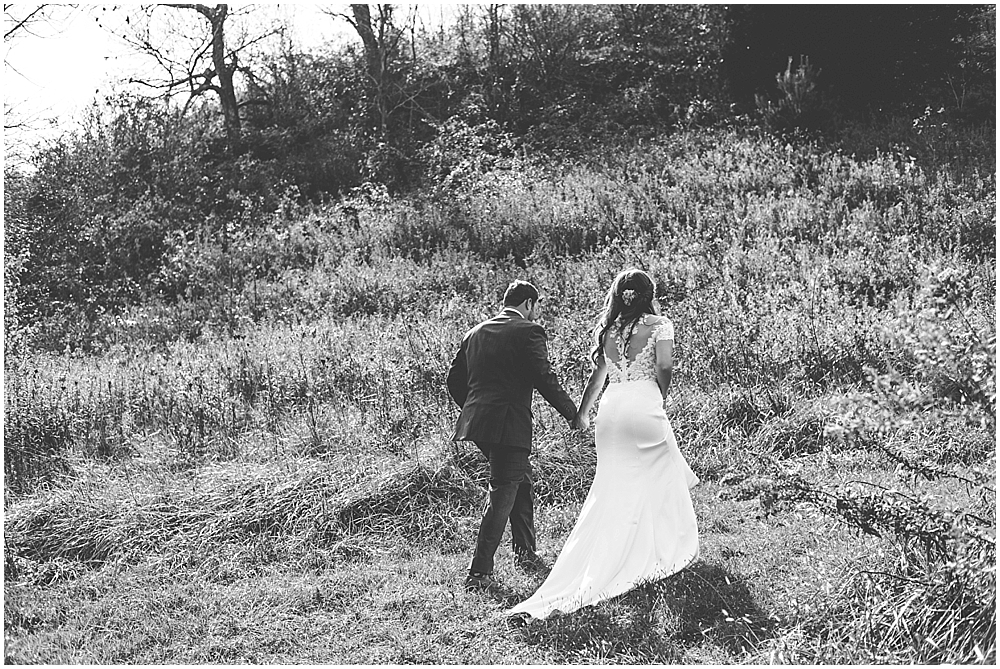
(23,22)
(340,15)
(174,83)
(261,38)
(204,10)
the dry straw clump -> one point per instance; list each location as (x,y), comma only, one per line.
(233,504)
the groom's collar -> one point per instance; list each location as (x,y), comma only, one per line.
(511,311)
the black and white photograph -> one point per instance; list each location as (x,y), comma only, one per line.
(499,334)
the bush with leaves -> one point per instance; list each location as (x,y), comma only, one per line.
(934,599)
(17,329)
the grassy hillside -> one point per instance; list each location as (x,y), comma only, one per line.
(262,471)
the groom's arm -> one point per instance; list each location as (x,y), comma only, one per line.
(458,378)
(544,378)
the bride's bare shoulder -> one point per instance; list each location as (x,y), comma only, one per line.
(653,320)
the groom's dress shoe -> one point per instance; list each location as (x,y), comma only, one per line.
(483,583)
(530,561)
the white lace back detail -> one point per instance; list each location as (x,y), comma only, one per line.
(643,366)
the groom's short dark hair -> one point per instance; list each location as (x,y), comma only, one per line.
(518,291)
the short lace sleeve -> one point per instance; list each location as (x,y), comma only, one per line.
(664,331)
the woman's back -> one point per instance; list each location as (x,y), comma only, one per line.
(631,354)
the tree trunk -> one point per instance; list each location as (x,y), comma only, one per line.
(363,24)
(494,87)
(227,93)
(376,56)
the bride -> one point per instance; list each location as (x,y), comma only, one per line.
(637,523)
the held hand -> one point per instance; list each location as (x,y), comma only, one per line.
(581,421)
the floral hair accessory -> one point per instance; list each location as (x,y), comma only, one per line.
(628,296)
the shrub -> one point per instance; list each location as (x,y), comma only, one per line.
(801,107)
(37,435)
(936,602)
(17,329)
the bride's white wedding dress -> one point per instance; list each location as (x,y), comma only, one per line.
(637,523)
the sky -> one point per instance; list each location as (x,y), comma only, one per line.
(54,71)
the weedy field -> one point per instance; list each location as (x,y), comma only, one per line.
(262,472)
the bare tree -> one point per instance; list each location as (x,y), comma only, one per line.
(382,37)
(194,63)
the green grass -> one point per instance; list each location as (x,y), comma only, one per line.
(262,472)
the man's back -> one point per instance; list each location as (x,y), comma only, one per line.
(497,370)
(499,363)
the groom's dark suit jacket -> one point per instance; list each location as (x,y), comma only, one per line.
(499,363)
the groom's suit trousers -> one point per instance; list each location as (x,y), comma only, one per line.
(511,496)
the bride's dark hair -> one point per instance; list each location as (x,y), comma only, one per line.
(629,299)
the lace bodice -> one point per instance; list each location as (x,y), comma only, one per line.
(642,367)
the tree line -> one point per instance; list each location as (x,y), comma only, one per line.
(228,133)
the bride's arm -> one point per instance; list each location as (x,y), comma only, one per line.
(595,384)
(663,331)
(664,364)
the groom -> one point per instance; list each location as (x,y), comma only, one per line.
(499,363)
